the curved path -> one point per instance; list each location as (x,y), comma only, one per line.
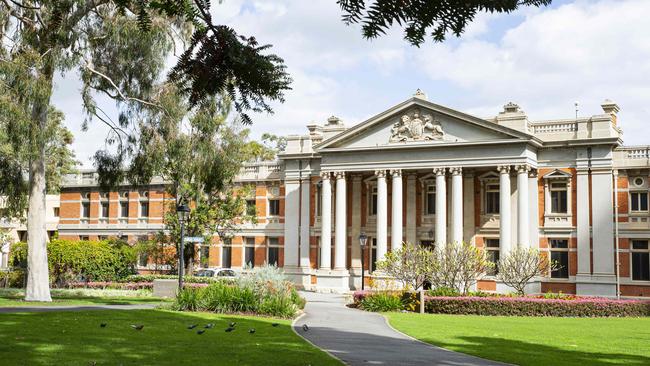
(358,337)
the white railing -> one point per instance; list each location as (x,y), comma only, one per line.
(260,170)
(637,153)
(557,127)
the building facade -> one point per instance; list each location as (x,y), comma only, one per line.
(427,174)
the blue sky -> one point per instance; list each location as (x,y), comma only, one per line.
(543,59)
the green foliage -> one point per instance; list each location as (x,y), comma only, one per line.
(266,291)
(71,261)
(418,17)
(382,301)
(443,291)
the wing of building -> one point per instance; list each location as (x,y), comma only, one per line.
(427,174)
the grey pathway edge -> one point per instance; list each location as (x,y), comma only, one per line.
(359,337)
(44,308)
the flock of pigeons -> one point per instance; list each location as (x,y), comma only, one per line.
(230,328)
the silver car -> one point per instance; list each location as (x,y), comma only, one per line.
(217,272)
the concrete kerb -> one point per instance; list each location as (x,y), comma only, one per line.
(293,327)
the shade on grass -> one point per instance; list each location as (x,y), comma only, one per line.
(14,297)
(534,340)
(76,338)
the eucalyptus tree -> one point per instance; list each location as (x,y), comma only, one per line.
(119,48)
(440,18)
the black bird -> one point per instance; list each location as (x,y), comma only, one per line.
(251,331)
(209,326)
(275,324)
(200,331)
(103,325)
(192,326)
(232,324)
(137,327)
(305,327)
(230,329)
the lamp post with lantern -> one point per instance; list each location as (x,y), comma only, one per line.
(182,211)
(363,242)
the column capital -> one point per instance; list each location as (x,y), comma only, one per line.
(396,173)
(380,173)
(456,170)
(325,175)
(439,171)
(522,168)
(503,169)
(339,175)
(356,177)
(532,173)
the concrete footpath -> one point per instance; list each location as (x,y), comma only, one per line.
(44,308)
(358,337)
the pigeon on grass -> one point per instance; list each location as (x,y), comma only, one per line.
(103,325)
(192,326)
(251,331)
(200,331)
(229,329)
(137,326)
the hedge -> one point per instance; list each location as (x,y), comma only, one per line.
(112,285)
(521,306)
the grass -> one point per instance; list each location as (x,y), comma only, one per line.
(76,338)
(534,340)
(10,297)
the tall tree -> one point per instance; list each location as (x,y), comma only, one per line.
(418,17)
(119,47)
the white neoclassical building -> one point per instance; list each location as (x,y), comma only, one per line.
(427,174)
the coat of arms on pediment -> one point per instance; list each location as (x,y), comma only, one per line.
(415,126)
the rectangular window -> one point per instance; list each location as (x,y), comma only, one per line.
(274,207)
(640,260)
(104,209)
(492,251)
(249,257)
(144,208)
(226,253)
(319,199)
(124,209)
(372,202)
(559,197)
(56,211)
(84,237)
(274,253)
(492,198)
(85,209)
(251,209)
(639,201)
(373,255)
(560,255)
(430,202)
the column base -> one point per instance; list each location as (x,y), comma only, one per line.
(355,278)
(596,285)
(335,281)
(300,276)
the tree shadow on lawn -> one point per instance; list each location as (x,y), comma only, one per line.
(76,338)
(524,353)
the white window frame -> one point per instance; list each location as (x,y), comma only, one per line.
(372,191)
(557,176)
(269,245)
(632,250)
(638,191)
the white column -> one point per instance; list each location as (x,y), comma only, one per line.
(583,232)
(382,214)
(326,222)
(304,223)
(441,207)
(411,210)
(340,249)
(533,209)
(468,207)
(456,204)
(355,225)
(505,240)
(523,226)
(291,229)
(603,222)
(396,220)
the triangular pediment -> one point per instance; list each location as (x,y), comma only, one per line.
(557,174)
(417,122)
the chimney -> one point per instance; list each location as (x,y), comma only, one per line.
(333,127)
(610,108)
(513,117)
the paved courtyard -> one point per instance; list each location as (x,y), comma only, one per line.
(358,337)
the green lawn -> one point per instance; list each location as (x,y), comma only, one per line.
(76,338)
(534,340)
(14,297)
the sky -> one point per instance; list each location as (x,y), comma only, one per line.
(544,59)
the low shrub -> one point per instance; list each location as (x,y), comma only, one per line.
(531,306)
(443,291)
(122,285)
(186,279)
(382,301)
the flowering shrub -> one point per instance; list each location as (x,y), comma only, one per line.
(570,306)
(124,285)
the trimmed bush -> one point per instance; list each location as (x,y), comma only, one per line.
(508,305)
(382,301)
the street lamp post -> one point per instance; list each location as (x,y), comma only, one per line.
(182,211)
(363,241)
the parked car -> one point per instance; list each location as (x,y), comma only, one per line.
(217,272)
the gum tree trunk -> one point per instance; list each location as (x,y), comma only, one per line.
(38,283)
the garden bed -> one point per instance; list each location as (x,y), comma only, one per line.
(568,306)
